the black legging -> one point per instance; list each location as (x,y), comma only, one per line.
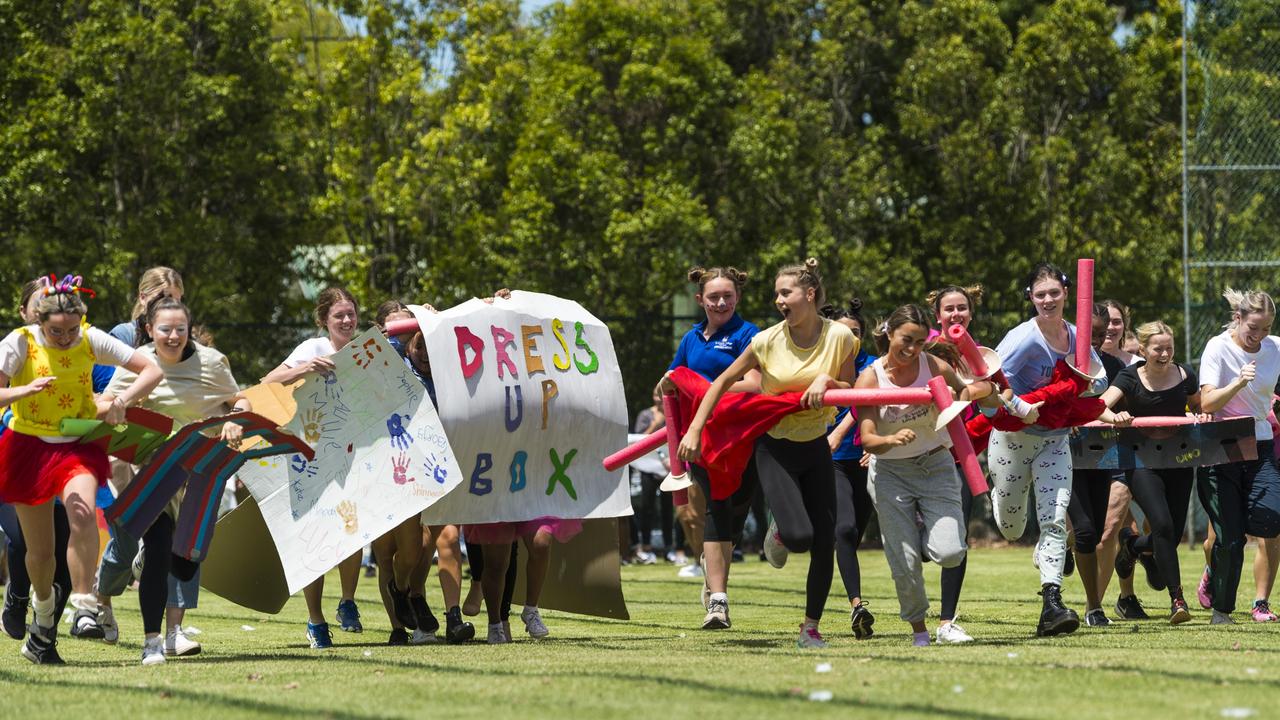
(953,577)
(799,482)
(475,559)
(853,510)
(1240,499)
(727,517)
(1163,496)
(654,502)
(1090,494)
(19,580)
(153,586)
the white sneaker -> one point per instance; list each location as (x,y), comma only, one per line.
(810,638)
(644,557)
(136,565)
(496,635)
(533,622)
(152,651)
(421,637)
(110,628)
(690,571)
(952,633)
(774,551)
(177,644)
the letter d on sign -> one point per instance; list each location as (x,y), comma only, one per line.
(468,339)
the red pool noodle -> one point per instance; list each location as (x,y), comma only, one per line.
(877,396)
(968,349)
(1151,421)
(1084,312)
(402,327)
(961,447)
(672,410)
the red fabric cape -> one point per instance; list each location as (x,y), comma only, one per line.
(1063,407)
(728,440)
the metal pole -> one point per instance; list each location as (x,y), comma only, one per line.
(1186,245)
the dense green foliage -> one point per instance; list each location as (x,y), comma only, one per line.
(436,150)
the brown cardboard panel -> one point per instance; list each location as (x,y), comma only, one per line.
(584,575)
(243,566)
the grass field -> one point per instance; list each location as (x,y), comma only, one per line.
(660,665)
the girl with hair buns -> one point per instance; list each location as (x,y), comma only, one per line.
(1036,461)
(809,354)
(46,370)
(709,348)
(854,505)
(913,478)
(1157,386)
(1238,374)
(338,315)
(154,282)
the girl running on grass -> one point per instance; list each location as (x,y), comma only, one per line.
(708,349)
(1238,374)
(47,368)
(338,315)
(197,384)
(804,353)
(1036,462)
(854,505)
(913,477)
(1092,493)
(1158,386)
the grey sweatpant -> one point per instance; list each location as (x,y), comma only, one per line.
(927,486)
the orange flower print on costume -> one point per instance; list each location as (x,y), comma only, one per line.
(65,361)
(66,400)
(86,378)
(43,371)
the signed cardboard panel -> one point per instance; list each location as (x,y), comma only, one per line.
(1211,443)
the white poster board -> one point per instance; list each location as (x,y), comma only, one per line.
(381,457)
(531,397)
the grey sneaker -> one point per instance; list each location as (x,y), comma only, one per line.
(774,551)
(717,615)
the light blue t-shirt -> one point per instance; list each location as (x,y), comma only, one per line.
(1027,362)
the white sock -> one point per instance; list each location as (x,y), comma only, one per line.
(722,597)
(43,608)
(84,601)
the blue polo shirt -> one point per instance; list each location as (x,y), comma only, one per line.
(709,357)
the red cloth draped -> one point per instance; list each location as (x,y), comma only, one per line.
(729,438)
(1063,407)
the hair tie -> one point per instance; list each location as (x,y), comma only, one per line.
(69,284)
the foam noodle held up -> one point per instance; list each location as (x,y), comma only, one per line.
(672,408)
(1084,312)
(968,350)
(961,447)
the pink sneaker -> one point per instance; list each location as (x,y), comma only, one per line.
(1262,612)
(1202,593)
(810,638)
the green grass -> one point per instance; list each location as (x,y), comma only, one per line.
(660,665)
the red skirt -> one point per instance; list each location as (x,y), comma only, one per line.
(33,471)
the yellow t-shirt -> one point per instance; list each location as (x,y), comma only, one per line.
(786,367)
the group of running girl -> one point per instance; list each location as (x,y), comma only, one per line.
(823,473)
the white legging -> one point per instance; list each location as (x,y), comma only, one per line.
(1016,459)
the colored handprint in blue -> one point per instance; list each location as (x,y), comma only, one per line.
(436,470)
(400,437)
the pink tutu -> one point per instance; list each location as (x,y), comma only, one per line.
(33,471)
(505,533)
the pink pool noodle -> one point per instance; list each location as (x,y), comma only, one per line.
(672,410)
(1084,312)
(1152,421)
(968,349)
(402,327)
(636,450)
(961,447)
(877,396)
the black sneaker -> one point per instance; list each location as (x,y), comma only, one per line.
(424,619)
(401,607)
(1130,609)
(1069,564)
(1152,571)
(1178,612)
(14,615)
(84,625)
(41,646)
(1125,559)
(456,629)
(399,636)
(1055,618)
(861,620)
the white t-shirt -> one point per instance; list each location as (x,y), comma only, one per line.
(1220,365)
(106,349)
(309,350)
